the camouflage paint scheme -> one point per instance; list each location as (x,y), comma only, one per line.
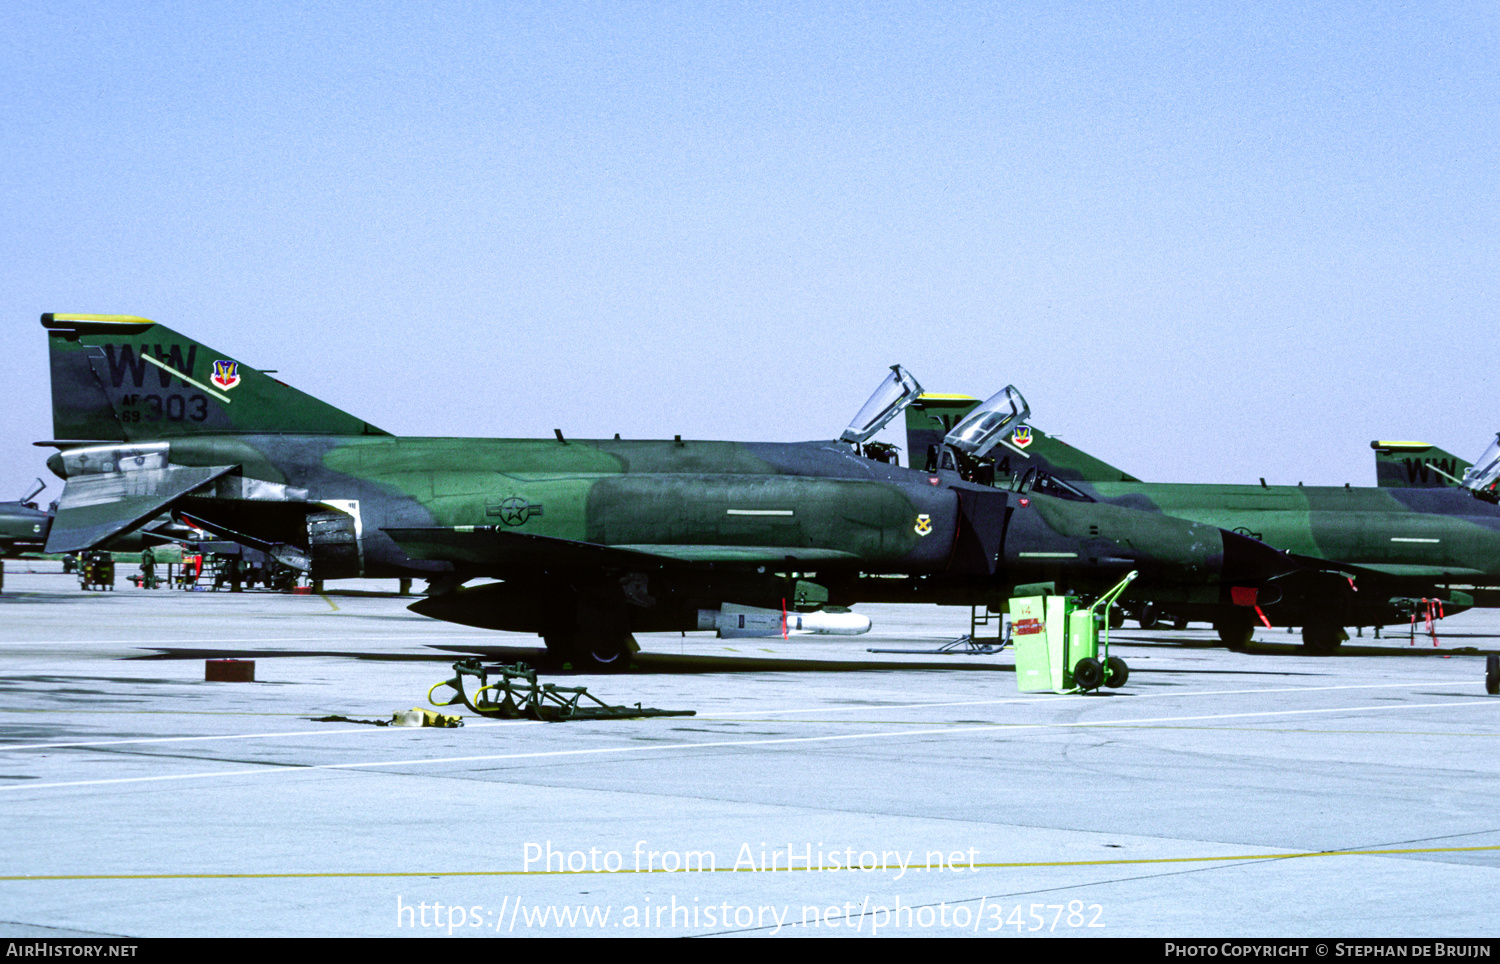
(23,528)
(1416,465)
(1399,545)
(594,539)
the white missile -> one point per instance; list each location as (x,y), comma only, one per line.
(737,622)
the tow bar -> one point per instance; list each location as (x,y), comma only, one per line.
(518,696)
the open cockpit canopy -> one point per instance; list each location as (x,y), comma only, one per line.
(1482,477)
(984,427)
(898,390)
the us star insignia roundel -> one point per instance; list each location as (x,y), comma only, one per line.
(514,511)
(924,524)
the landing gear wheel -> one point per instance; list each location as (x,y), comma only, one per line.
(1116,672)
(1180,624)
(604,654)
(1148,616)
(1088,674)
(1323,638)
(1492,675)
(1116,617)
(597,653)
(1235,634)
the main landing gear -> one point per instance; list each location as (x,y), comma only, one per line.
(1236,631)
(1323,637)
(591,630)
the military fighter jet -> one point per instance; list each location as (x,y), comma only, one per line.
(593,540)
(23,526)
(1395,546)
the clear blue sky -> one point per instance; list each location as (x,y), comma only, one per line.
(1208,242)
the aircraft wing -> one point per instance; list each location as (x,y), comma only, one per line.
(1402,570)
(95,508)
(496,546)
(1396,570)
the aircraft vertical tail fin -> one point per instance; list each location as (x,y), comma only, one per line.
(1030,447)
(1416,465)
(123,378)
(931,417)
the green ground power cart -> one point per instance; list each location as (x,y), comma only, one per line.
(1056,642)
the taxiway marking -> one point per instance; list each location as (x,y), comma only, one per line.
(1224,858)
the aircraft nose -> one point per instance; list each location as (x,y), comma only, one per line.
(1251,562)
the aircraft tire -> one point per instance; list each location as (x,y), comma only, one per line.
(1323,638)
(1235,634)
(1179,624)
(1116,617)
(1088,674)
(1492,675)
(1148,616)
(609,653)
(586,627)
(1116,672)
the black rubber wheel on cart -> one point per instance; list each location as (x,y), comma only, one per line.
(1088,674)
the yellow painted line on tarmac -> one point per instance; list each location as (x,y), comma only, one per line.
(911,868)
(332,606)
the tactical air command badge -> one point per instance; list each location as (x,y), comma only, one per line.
(1021,437)
(226,374)
(924,524)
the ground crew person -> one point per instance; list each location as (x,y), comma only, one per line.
(148,568)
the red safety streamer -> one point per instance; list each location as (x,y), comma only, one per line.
(1247,596)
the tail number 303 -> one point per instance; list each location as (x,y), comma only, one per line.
(172,408)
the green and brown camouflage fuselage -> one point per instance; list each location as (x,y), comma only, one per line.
(592,540)
(23,528)
(1398,544)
